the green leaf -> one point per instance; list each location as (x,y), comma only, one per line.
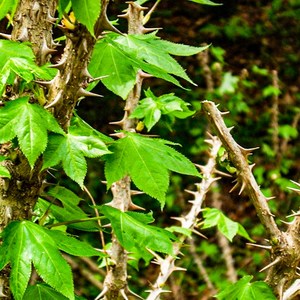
(3,170)
(147,161)
(151,50)
(214,217)
(151,108)
(244,290)
(133,234)
(26,243)
(71,245)
(42,292)
(206,2)
(120,56)
(30,123)
(8,7)
(108,60)
(70,210)
(18,59)
(87,12)
(287,131)
(72,148)
(229,84)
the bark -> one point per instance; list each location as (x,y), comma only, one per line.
(33,22)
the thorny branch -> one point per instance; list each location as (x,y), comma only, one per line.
(284,245)
(189,221)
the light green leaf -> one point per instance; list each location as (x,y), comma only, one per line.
(3,170)
(87,12)
(30,123)
(69,210)
(206,2)
(108,60)
(42,292)
(244,290)
(18,59)
(7,7)
(214,217)
(147,161)
(26,243)
(136,235)
(287,131)
(72,148)
(229,84)
(151,108)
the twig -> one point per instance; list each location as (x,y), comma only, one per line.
(200,267)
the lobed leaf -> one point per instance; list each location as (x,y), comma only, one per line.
(87,12)
(71,149)
(26,243)
(30,123)
(42,292)
(147,161)
(214,217)
(133,234)
(244,290)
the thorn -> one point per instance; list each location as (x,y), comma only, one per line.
(134,193)
(124,16)
(60,65)
(222,173)
(6,36)
(134,294)
(192,201)
(242,187)
(179,269)
(55,100)
(179,219)
(251,167)
(270,198)
(119,123)
(191,192)
(104,292)
(50,18)
(103,181)
(143,74)
(132,206)
(83,93)
(46,84)
(159,260)
(286,223)
(106,225)
(215,179)
(201,168)
(90,80)
(225,113)
(248,151)
(230,128)
(200,234)
(147,30)
(210,142)
(46,50)
(122,292)
(297,214)
(23,35)
(298,268)
(273,263)
(260,246)
(234,187)
(119,135)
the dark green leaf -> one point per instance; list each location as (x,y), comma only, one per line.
(71,245)
(134,234)
(244,290)
(70,210)
(26,243)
